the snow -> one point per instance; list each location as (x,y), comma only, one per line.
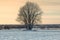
(17,34)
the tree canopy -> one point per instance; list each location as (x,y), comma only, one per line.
(30,13)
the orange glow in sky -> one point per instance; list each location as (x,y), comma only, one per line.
(9,10)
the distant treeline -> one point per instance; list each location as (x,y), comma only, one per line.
(35,26)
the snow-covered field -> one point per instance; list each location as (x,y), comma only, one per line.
(16,34)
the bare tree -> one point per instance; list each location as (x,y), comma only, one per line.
(29,14)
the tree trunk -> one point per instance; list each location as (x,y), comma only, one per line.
(29,26)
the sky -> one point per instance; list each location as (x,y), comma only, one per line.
(9,11)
